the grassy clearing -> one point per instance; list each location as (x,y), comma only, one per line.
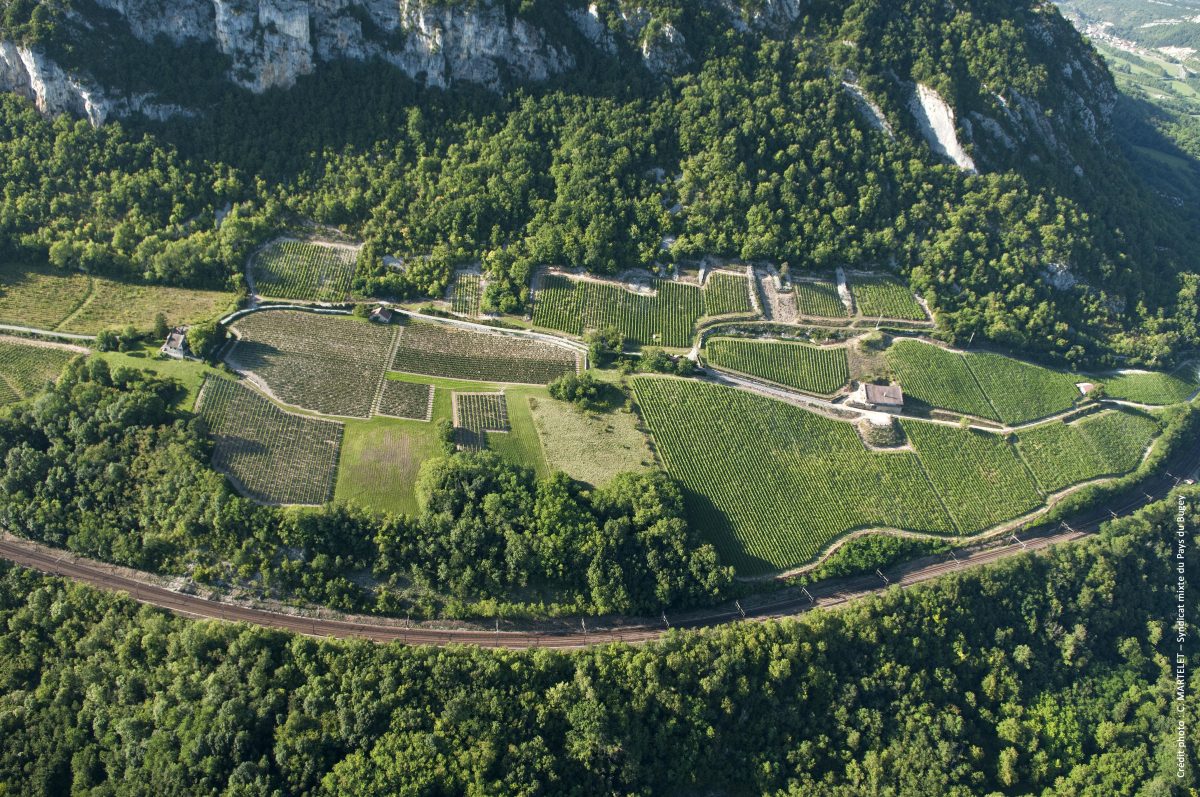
(1147,387)
(273,456)
(453,352)
(381,459)
(773,484)
(591,447)
(1105,444)
(189,374)
(521,445)
(47,298)
(809,368)
(1021,391)
(25,370)
(304,270)
(819,299)
(885,298)
(938,378)
(325,363)
(978,474)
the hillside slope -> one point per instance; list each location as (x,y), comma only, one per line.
(969,147)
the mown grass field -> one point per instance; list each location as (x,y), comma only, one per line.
(381,459)
(304,270)
(773,484)
(978,474)
(883,297)
(936,377)
(273,456)
(326,363)
(46,298)
(452,352)
(592,447)
(25,368)
(1149,387)
(1104,444)
(822,370)
(819,299)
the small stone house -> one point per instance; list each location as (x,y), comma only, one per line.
(888,398)
(176,344)
(382,315)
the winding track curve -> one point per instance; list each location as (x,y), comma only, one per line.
(826,594)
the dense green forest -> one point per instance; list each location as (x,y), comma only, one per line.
(754,151)
(101,464)
(1044,674)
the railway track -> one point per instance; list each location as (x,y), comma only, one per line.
(828,594)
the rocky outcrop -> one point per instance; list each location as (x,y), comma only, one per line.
(28,72)
(936,120)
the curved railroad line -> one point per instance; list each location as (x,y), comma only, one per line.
(142,586)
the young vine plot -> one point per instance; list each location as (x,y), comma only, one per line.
(1148,387)
(726,293)
(938,378)
(405,400)
(468,291)
(556,305)
(273,456)
(1106,444)
(885,298)
(327,363)
(819,299)
(25,369)
(456,353)
(1021,391)
(476,414)
(773,484)
(307,271)
(978,474)
(809,368)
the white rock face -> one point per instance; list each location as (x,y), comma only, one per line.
(936,120)
(28,72)
(869,109)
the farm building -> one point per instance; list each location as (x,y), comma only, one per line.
(175,346)
(889,398)
(382,315)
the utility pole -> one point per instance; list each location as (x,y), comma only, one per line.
(881,575)
(741,611)
(808,595)
(1017,540)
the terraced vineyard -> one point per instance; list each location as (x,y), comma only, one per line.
(666,319)
(328,363)
(25,369)
(557,305)
(978,474)
(1147,387)
(468,292)
(1105,444)
(1021,391)
(938,378)
(405,400)
(288,269)
(456,353)
(726,293)
(477,414)
(819,299)
(885,298)
(272,456)
(809,368)
(773,484)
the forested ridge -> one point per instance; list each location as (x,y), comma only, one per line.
(755,150)
(1044,674)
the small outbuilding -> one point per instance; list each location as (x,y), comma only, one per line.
(176,346)
(382,315)
(888,398)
